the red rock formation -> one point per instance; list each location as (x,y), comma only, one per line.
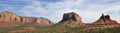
(26,20)
(105,20)
(38,21)
(42,21)
(7,16)
(17,19)
(72,19)
(73,16)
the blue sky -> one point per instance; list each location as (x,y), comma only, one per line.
(89,10)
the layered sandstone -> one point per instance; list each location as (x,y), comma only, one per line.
(72,19)
(105,20)
(26,20)
(72,16)
(43,21)
(7,17)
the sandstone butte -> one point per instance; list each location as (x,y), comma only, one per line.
(105,20)
(7,17)
(71,19)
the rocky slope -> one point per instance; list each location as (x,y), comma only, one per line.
(8,19)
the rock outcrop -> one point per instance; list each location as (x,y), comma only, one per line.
(72,16)
(105,20)
(71,19)
(27,20)
(43,21)
(7,17)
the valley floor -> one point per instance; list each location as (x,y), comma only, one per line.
(57,29)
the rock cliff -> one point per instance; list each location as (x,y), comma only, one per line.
(72,19)
(105,20)
(9,18)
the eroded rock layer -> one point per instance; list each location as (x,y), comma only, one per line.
(8,18)
(72,19)
(105,20)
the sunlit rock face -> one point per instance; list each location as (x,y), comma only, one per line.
(71,19)
(9,19)
(27,20)
(43,21)
(7,16)
(105,20)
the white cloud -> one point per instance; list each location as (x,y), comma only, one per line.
(55,11)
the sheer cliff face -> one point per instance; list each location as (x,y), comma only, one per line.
(71,19)
(7,17)
(105,20)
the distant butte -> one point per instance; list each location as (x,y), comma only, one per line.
(105,20)
(72,19)
(7,19)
